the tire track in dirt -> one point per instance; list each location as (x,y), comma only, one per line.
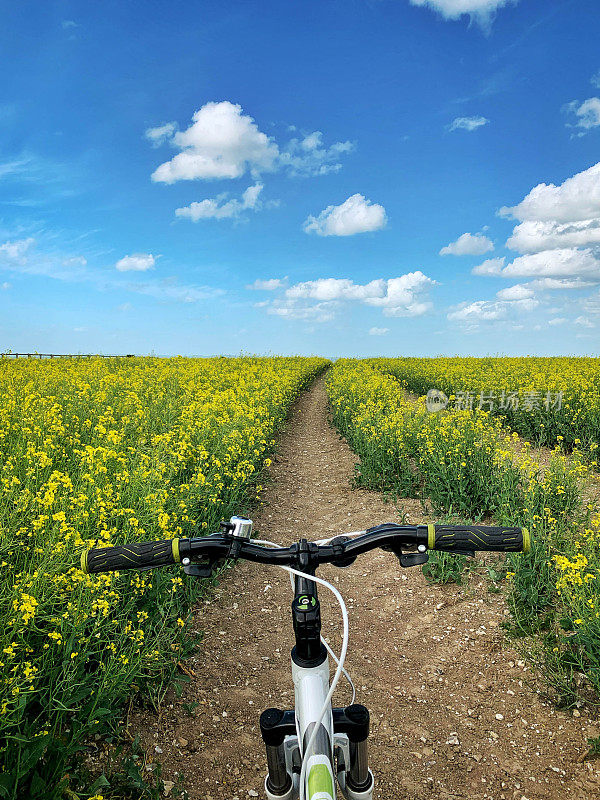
(454,711)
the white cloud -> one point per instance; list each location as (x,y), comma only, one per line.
(269,285)
(519,291)
(468,123)
(532,236)
(478,310)
(220,208)
(555,224)
(5,286)
(124,307)
(405,296)
(251,194)
(308,156)
(224,142)
(481,10)
(567,268)
(138,262)
(561,263)
(468,244)
(337,289)
(558,233)
(526,291)
(320,312)
(161,133)
(378,331)
(68,23)
(584,322)
(577,199)
(354,215)
(595,79)
(493,266)
(17,166)
(16,251)
(560,283)
(21,255)
(490,310)
(587,113)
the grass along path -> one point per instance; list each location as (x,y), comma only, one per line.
(454,712)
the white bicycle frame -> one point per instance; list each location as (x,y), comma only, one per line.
(330,751)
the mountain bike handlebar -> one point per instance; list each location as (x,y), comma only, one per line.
(340,551)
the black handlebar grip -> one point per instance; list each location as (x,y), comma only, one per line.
(135,555)
(478,537)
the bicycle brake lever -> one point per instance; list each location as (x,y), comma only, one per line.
(203,568)
(200,570)
(412,559)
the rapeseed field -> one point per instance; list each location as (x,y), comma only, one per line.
(94,453)
(463,463)
(550,401)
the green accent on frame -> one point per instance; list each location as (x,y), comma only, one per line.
(319,780)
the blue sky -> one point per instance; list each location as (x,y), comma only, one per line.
(355,177)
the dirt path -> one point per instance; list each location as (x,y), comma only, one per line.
(453,712)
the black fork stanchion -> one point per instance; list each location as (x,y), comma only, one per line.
(278,782)
(354,722)
(275,725)
(359,778)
